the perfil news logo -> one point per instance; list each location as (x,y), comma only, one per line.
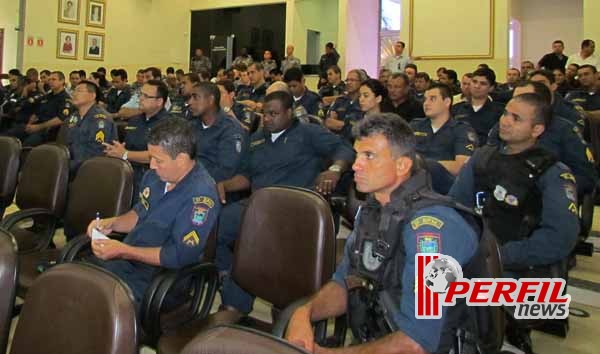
(440,282)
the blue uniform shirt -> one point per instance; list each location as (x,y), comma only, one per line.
(55,105)
(116,98)
(349,112)
(86,135)
(557,232)
(589,101)
(452,139)
(246,116)
(295,159)
(567,110)
(253,94)
(219,146)
(310,101)
(563,139)
(455,238)
(178,222)
(483,120)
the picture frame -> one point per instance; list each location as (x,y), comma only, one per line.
(68,11)
(94,46)
(66,44)
(96,13)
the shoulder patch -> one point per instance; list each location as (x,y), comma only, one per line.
(573,209)
(428,242)
(426,220)
(191,239)
(100,136)
(204,200)
(568,176)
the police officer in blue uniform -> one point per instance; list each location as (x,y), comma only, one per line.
(119,93)
(374,285)
(480,111)
(169,225)
(302,95)
(153,96)
(560,106)
(247,117)
(587,96)
(528,198)
(345,112)
(283,152)
(180,105)
(89,127)
(563,138)
(54,108)
(220,139)
(444,142)
(253,95)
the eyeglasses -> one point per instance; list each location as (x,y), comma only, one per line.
(146,96)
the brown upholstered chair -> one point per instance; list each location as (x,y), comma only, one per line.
(285,252)
(91,312)
(41,197)
(8,284)
(103,185)
(239,340)
(10,151)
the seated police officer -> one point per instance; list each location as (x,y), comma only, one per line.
(89,127)
(335,86)
(119,93)
(301,94)
(385,168)
(284,152)
(153,96)
(247,118)
(587,96)
(560,106)
(562,138)
(219,138)
(54,108)
(444,142)
(528,198)
(169,225)
(480,111)
(399,99)
(180,105)
(253,95)
(346,111)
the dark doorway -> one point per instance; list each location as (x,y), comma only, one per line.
(257,28)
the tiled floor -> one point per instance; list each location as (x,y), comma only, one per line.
(584,333)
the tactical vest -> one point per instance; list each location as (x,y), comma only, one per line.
(511,199)
(377,263)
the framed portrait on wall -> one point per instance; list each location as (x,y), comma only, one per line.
(96,13)
(68,11)
(94,46)
(66,44)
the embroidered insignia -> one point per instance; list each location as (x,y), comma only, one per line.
(420,134)
(191,239)
(511,200)
(204,200)
(500,193)
(428,242)
(573,208)
(426,220)
(100,136)
(199,215)
(567,176)
(146,192)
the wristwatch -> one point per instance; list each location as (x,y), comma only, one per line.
(226,109)
(124,157)
(335,168)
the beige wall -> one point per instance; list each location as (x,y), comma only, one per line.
(591,25)
(9,20)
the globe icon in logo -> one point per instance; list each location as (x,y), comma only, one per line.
(440,272)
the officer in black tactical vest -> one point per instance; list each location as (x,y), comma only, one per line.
(375,282)
(528,198)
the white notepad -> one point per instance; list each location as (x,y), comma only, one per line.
(97,235)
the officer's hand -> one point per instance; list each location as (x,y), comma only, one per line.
(103,225)
(222,192)
(327,181)
(40,86)
(116,149)
(33,119)
(108,249)
(32,128)
(299,331)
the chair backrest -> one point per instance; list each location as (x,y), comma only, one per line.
(8,282)
(77,308)
(61,136)
(10,152)
(286,246)
(238,340)
(44,179)
(103,185)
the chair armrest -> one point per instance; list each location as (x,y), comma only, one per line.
(11,220)
(280,325)
(204,281)
(80,244)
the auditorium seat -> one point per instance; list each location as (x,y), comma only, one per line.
(8,283)
(102,185)
(10,151)
(41,197)
(239,340)
(77,308)
(285,252)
